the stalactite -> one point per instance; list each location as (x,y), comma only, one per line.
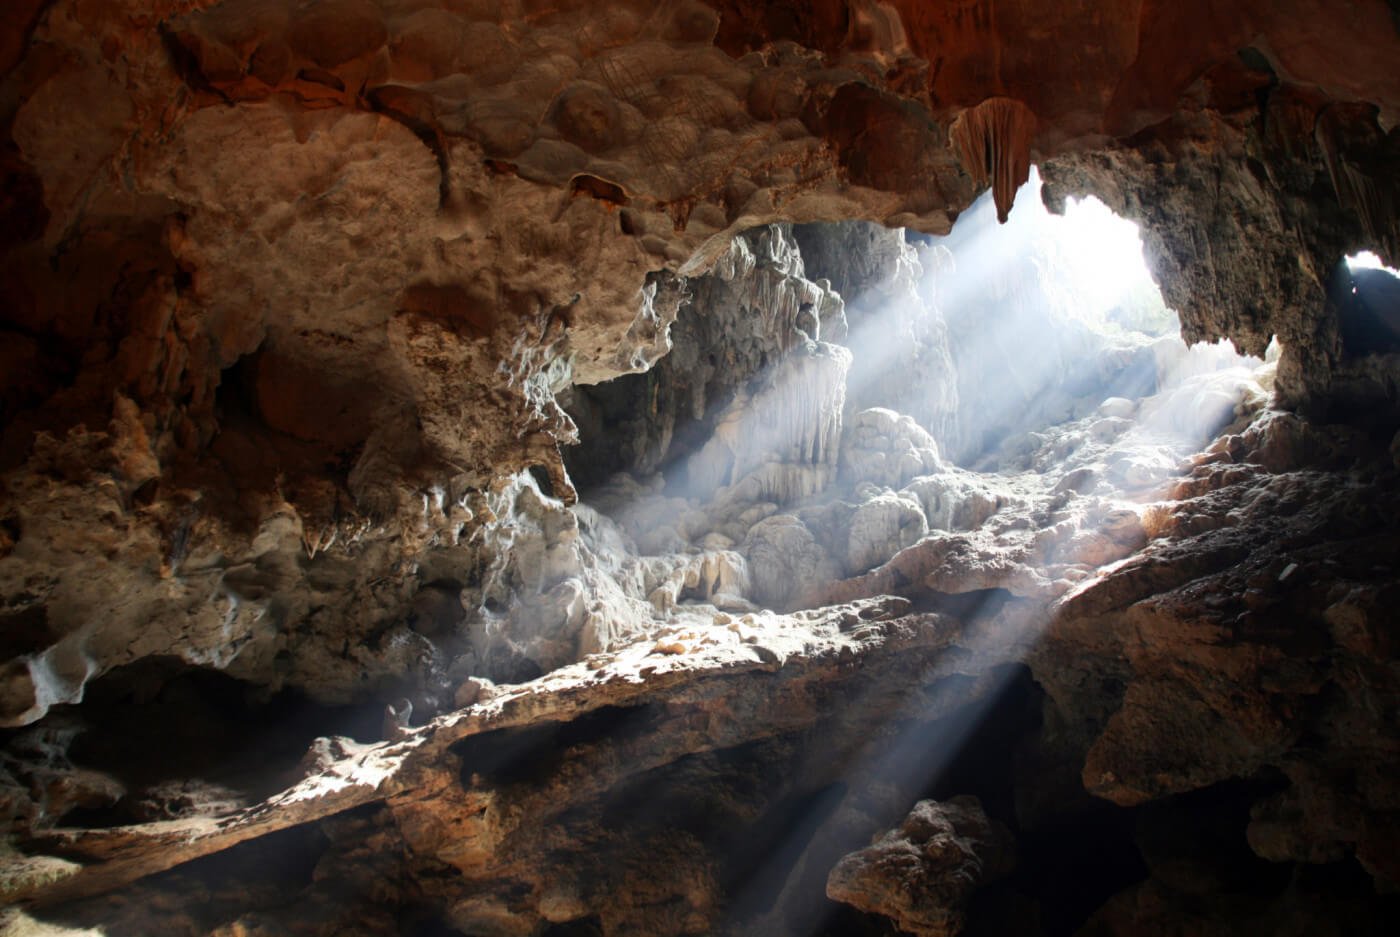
(1350,140)
(768,279)
(797,418)
(993,142)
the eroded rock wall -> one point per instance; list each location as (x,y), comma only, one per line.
(314,273)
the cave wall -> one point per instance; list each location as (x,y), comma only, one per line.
(291,278)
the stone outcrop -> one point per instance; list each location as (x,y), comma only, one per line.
(922,873)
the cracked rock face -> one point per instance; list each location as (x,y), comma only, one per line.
(455,478)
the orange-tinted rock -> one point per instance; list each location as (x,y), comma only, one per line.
(993,141)
(332,32)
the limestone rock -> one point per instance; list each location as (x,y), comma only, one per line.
(922,874)
(786,561)
(1119,407)
(887,448)
(993,141)
(880,528)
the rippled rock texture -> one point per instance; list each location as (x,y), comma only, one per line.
(303,628)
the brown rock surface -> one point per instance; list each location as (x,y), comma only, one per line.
(921,874)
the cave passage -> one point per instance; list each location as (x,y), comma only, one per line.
(846,405)
(851,418)
(976,425)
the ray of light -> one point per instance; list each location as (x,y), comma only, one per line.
(1045,317)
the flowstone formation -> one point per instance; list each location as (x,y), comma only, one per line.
(455,478)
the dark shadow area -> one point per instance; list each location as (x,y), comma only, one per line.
(25,629)
(846,785)
(650,422)
(1069,869)
(1343,879)
(713,796)
(185,741)
(763,860)
(429,928)
(591,926)
(1198,840)
(343,875)
(1367,304)
(600,411)
(982,763)
(1193,843)
(964,606)
(531,755)
(541,477)
(235,884)
(845,921)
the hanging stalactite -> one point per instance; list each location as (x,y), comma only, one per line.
(993,142)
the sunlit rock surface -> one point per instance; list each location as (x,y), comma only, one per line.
(922,873)
(308,626)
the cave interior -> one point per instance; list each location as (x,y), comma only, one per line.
(699,467)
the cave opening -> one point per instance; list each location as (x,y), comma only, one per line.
(1366,296)
(968,427)
(839,397)
(975,426)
